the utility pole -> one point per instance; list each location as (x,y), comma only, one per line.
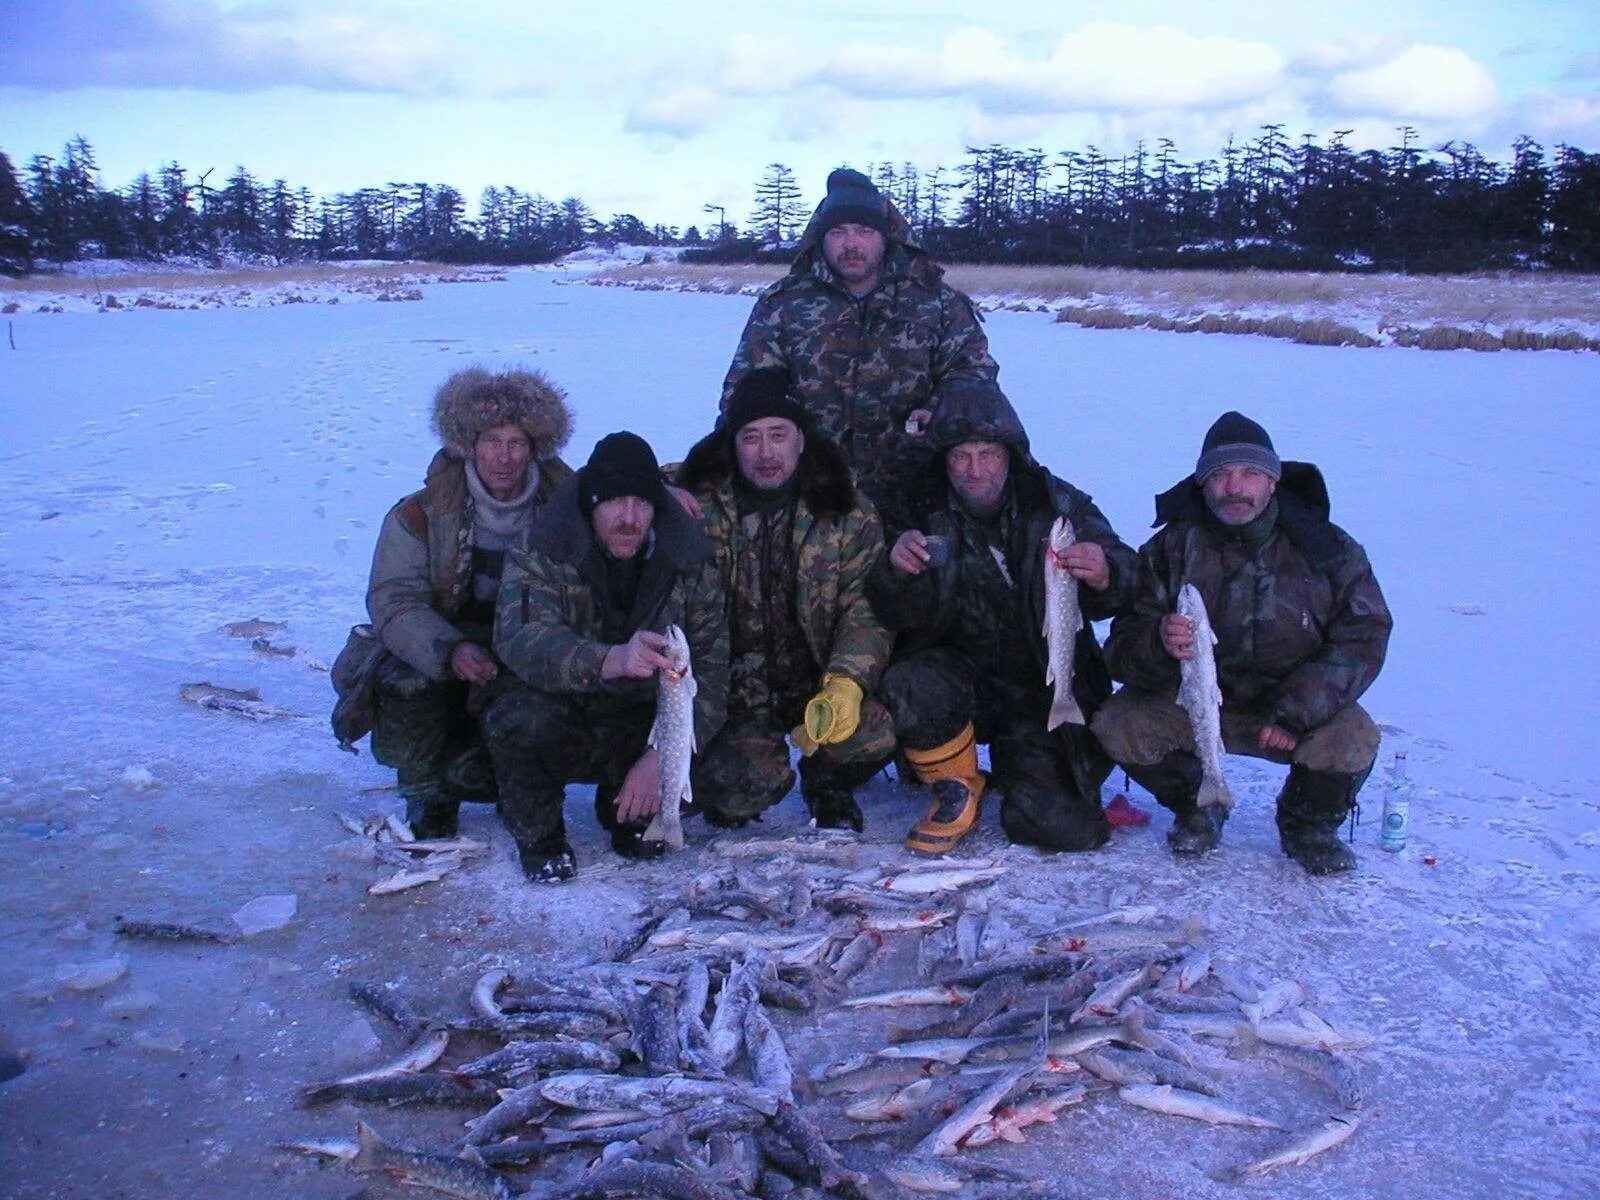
(722,222)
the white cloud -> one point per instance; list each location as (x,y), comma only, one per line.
(1422,82)
(678,112)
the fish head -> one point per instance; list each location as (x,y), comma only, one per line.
(1062,535)
(677,650)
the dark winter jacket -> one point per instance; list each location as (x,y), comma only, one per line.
(860,366)
(1301,624)
(837,540)
(924,609)
(421,581)
(550,621)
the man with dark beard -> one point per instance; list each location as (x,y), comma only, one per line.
(1301,627)
(794,543)
(582,618)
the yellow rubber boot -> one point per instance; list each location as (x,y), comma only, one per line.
(952,813)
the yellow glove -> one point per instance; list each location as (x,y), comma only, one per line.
(832,715)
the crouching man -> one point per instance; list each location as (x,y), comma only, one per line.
(794,543)
(964,588)
(582,617)
(436,575)
(1301,628)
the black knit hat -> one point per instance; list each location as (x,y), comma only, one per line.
(622,464)
(1237,440)
(759,394)
(852,200)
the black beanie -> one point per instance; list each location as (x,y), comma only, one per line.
(852,200)
(1236,439)
(622,464)
(759,394)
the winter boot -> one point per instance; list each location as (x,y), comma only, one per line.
(951,770)
(1175,782)
(1311,807)
(549,860)
(829,790)
(626,840)
(431,811)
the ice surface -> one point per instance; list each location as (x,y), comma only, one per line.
(164,473)
(265,913)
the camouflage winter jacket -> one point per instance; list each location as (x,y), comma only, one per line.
(1301,624)
(549,624)
(837,540)
(861,366)
(421,577)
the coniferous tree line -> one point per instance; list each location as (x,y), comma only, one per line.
(1266,202)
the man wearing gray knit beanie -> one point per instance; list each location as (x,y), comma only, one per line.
(1301,631)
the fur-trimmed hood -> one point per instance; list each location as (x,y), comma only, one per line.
(823,476)
(475,400)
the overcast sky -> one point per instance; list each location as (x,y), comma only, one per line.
(660,108)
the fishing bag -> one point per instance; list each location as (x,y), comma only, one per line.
(355,675)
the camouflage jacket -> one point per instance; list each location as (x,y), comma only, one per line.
(548,627)
(860,366)
(1301,625)
(837,540)
(421,578)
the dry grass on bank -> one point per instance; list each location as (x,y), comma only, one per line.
(85,282)
(1485,312)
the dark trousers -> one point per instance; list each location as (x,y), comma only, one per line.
(933,694)
(541,741)
(420,728)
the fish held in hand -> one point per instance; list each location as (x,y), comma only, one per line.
(1063,619)
(673,737)
(1200,695)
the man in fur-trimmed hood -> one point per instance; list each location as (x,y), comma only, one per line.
(436,576)
(794,542)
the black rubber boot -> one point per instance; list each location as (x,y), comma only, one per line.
(430,811)
(548,861)
(829,790)
(1175,782)
(628,841)
(1311,807)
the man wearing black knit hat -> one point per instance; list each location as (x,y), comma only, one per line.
(866,329)
(794,543)
(1301,627)
(581,622)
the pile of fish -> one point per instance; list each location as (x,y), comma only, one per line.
(417,861)
(687,1063)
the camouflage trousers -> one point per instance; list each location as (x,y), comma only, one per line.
(428,732)
(746,769)
(541,741)
(1140,729)
(1042,775)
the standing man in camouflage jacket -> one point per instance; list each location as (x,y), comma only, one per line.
(436,575)
(582,617)
(866,328)
(1301,628)
(964,588)
(794,543)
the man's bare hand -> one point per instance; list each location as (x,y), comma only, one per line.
(640,794)
(909,554)
(1177,636)
(472,663)
(1273,738)
(1085,562)
(640,657)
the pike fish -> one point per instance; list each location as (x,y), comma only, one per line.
(453,1176)
(1063,619)
(1178,1102)
(1008,1123)
(673,737)
(1200,696)
(246,703)
(1297,1149)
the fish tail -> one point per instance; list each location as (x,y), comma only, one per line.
(369,1149)
(1065,710)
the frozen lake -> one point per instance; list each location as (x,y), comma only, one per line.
(162,473)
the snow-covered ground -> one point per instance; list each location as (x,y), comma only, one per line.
(167,472)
